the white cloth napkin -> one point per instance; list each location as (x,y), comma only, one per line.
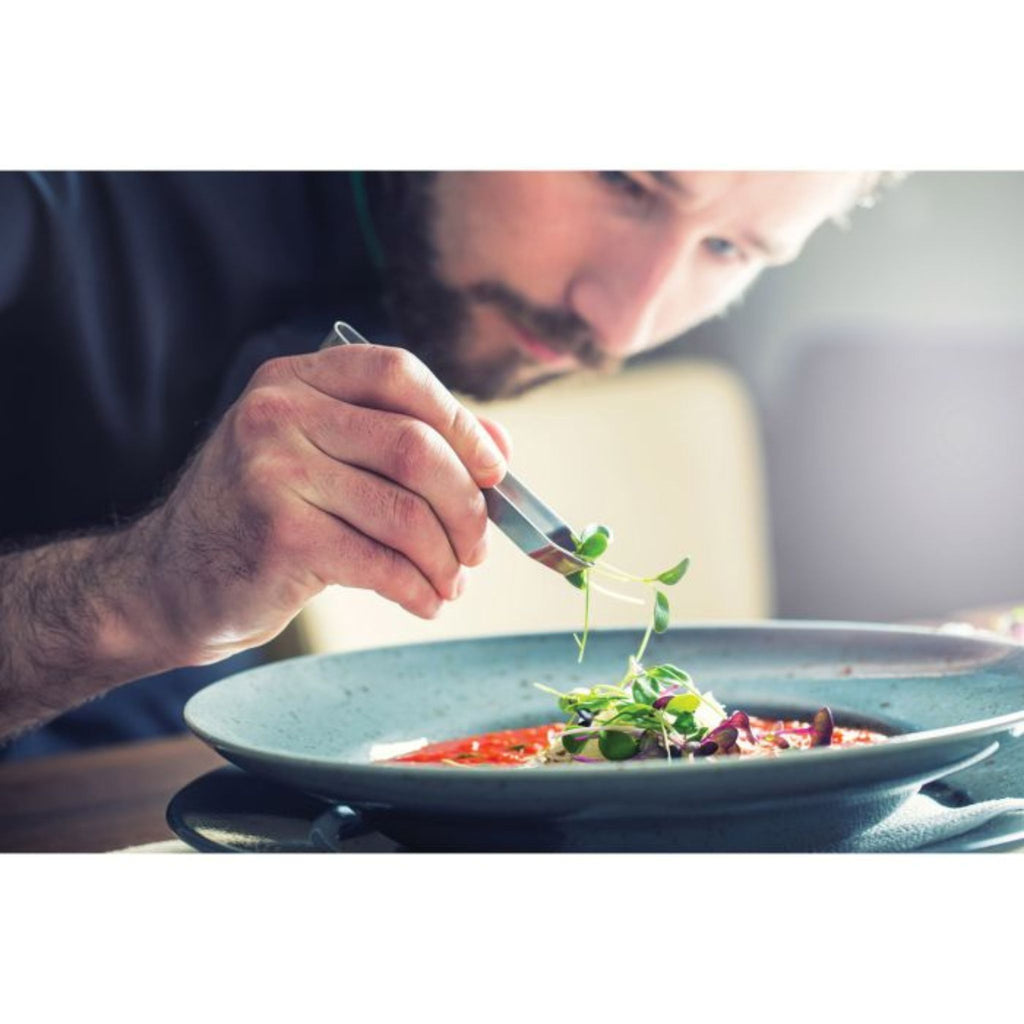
(921,821)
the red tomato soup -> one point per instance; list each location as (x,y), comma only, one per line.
(519,746)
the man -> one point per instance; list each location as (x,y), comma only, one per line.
(145,317)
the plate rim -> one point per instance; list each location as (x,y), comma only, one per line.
(919,741)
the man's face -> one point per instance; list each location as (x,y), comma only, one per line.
(532,275)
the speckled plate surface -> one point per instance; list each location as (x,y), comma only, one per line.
(310,722)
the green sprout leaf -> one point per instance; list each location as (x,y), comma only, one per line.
(617,746)
(590,545)
(594,530)
(675,574)
(593,542)
(683,702)
(630,708)
(686,724)
(574,744)
(660,612)
(643,691)
(593,547)
(668,672)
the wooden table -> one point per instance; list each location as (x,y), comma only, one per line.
(115,797)
(98,800)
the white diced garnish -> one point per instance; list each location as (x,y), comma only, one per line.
(384,751)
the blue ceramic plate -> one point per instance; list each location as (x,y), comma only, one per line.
(950,701)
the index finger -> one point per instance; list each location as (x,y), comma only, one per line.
(394,380)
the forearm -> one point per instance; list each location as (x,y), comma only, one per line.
(75,621)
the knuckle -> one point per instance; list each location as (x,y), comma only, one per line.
(274,371)
(396,367)
(408,513)
(261,412)
(411,450)
(291,473)
(258,475)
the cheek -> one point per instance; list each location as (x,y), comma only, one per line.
(701,293)
(731,282)
(520,229)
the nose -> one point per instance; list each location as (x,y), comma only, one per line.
(618,291)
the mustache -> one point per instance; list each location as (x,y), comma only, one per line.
(559,329)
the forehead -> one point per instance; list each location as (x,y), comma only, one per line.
(793,201)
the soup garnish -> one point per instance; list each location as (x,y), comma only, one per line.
(652,712)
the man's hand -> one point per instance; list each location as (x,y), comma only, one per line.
(352,466)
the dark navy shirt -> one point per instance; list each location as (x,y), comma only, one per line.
(133,309)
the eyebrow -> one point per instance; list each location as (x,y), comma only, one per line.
(666,179)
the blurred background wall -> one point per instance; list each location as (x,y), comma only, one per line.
(887,369)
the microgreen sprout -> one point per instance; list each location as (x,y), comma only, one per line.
(591,544)
(651,712)
(654,711)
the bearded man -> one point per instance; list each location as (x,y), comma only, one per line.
(185,469)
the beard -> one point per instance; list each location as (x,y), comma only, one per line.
(434,319)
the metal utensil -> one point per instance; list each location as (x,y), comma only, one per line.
(530,524)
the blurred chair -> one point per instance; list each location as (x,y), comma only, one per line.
(666,454)
(894,473)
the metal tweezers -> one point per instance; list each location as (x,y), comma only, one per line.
(530,524)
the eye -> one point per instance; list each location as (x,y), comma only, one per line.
(723,249)
(625,183)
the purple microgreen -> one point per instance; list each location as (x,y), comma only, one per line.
(821,728)
(740,720)
(719,741)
